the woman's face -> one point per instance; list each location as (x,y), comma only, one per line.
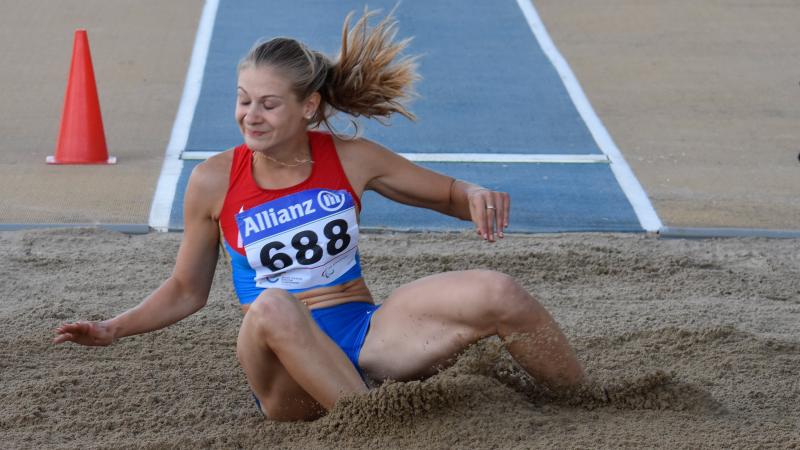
(267,111)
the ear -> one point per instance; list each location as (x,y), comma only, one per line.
(311,104)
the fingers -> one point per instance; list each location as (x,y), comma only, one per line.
(506,208)
(76,327)
(491,219)
(71,332)
(490,212)
(500,213)
(477,207)
(64,337)
(498,216)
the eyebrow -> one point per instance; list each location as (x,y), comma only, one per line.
(263,96)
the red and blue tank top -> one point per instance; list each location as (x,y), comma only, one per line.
(296,238)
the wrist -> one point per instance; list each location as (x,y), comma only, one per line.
(113,328)
(472,189)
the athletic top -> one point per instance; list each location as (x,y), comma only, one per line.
(297,238)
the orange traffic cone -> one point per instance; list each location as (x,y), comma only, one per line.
(81,139)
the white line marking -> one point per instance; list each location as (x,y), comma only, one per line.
(627,181)
(173,165)
(467,157)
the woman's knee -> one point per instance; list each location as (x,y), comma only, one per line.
(276,315)
(504,297)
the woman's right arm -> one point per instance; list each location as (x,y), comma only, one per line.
(186,290)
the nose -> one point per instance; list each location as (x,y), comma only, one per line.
(251,115)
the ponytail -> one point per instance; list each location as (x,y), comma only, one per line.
(366,79)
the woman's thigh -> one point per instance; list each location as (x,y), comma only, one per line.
(423,325)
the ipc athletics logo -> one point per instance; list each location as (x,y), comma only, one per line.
(330,201)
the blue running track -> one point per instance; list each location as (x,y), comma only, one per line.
(488,90)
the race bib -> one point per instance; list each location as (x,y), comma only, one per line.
(300,241)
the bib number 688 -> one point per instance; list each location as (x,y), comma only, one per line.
(305,242)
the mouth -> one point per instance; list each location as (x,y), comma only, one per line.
(254,133)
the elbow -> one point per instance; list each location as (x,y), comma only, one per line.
(197,298)
(190,294)
(198,302)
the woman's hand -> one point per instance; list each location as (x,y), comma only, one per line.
(489,211)
(85,333)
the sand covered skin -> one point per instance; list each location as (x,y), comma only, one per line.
(687,343)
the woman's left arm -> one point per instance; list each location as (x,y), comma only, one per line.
(401,180)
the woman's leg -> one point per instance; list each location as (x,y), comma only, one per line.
(294,369)
(423,325)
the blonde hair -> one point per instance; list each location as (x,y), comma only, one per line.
(366,79)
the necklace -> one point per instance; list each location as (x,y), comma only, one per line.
(297,162)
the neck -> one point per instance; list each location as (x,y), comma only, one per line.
(289,154)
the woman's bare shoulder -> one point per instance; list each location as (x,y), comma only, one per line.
(214,171)
(361,151)
(209,180)
(362,159)
(355,144)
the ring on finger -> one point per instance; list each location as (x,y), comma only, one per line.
(490,207)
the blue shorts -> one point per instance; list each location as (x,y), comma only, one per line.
(347,325)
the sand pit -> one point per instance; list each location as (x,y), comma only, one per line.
(688,344)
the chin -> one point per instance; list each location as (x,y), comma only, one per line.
(253,145)
(256,144)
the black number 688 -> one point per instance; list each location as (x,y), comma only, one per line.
(305,242)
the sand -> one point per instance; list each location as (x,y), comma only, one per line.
(140,51)
(688,344)
(700,96)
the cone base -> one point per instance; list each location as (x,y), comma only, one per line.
(52,160)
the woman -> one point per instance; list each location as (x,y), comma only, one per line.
(285,207)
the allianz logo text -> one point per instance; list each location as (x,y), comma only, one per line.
(330,201)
